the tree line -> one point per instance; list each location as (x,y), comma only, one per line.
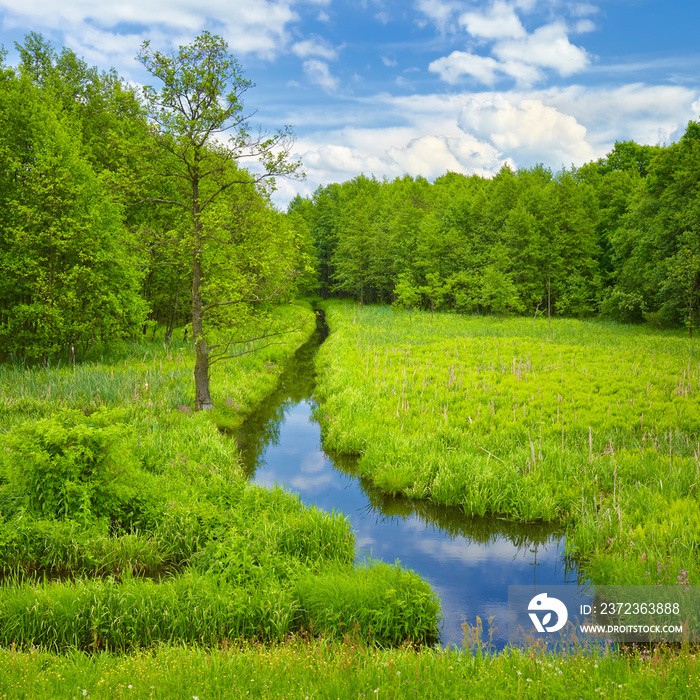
(618,238)
(123,210)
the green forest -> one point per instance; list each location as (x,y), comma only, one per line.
(616,238)
(519,347)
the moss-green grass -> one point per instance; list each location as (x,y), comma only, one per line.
(591,424)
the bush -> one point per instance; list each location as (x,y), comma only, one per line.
(70,466)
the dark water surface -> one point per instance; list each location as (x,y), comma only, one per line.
(470,562)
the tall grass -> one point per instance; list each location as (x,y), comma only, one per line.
(590,424)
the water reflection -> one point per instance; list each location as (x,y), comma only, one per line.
(470,562)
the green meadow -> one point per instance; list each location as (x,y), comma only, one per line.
(595,425)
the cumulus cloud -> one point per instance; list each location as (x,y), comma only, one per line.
(451,68)
(526,129)
(547,47)
(515,53)
(499,22)
(484,68)
(642,113)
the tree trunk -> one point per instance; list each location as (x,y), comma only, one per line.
(202,400)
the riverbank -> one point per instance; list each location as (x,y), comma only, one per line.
(588,424)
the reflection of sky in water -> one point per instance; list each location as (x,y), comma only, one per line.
(471,578)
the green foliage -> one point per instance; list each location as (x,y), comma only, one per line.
(71,466)
(273,536)
(407,295)
(66,272)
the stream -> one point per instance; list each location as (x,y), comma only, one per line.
(469,562)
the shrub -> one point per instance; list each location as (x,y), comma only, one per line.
(70,466)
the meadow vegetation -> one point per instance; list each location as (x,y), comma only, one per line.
(592,424)
(127,521)
(323,669)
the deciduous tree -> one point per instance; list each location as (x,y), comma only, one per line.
(203,134)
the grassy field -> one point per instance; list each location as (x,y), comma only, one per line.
(591,424)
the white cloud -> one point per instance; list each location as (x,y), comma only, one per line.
(582,9)
(439,11)
(318,73)
(451,68)
(500,22)
(527,130)
(315,46)
(257,27)
(643,113)
(547,47)
(514,52)
(583,26)
(484,68)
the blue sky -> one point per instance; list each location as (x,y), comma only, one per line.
(422,86)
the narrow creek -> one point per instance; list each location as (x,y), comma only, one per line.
(469,562)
